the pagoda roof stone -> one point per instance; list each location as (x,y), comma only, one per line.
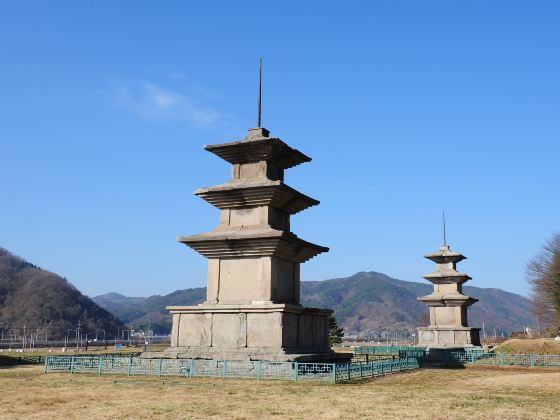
(447,275)
(259,192)
(447,299)
(257,147)
(247,241)
(445,255)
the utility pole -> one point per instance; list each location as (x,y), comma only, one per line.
(78,334)
(23,338)
(483,331)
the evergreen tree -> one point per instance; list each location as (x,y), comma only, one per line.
(335,332)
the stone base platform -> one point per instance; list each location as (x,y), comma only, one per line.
(252,331)
(448,337)
(264,354)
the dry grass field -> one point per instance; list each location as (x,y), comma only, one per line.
(429,393)
(536,346)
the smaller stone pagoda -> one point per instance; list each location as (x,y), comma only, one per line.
(448,305)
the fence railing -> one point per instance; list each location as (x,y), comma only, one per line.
(21,360)
(353,371)
(386,350)
(260,370)
(502,359)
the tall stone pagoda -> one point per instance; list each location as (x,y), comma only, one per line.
(252,309)
(448,305)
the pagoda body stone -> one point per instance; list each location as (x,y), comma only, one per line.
(448,305)
(252,309)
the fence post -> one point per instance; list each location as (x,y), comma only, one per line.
(348,370)
(46,365)
(72,365)
(191,369)
(532,360)
(100,364)
(334,373)
(296,371)
(472,359)
(361,374)
(159,367)
(259,370)
(129,365)
(224,373)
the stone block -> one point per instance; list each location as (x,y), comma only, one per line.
(175,330)
(264,329)
(213,287)
(445,316)
(318,332)
(237,280)
(244,217)
(195,330)
(229,330)
(462,338)
(283,281)
(446,337)
(290,330)
(305,331)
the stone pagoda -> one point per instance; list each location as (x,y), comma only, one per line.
(448,305)
(252,309)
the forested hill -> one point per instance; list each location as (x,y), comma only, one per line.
(366,301)
(45,303)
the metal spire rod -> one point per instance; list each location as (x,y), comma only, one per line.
(444,231)
(260,94)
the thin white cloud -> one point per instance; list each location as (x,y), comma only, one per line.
(155,103)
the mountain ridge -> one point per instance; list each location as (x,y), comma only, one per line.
(365,301)
(45,303)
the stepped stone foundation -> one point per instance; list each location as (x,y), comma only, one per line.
(448,305)
(252,309)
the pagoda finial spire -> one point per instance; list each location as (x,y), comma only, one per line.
(260,94)
(444,231)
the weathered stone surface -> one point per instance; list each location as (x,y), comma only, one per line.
(251,329)
(264,330)
(449,337)
(448,306)
(195,330)
(229,330)
(252,306)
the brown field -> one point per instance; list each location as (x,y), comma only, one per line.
(535,346)
(428,393)
(72,351)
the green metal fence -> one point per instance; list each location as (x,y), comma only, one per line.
(354,371)
(260,370)
(21,360)
(386,350)
(501,359)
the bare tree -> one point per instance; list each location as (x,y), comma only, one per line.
(543,273)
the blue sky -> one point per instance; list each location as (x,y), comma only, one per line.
(407,108)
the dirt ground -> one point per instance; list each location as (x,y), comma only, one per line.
(25,392)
